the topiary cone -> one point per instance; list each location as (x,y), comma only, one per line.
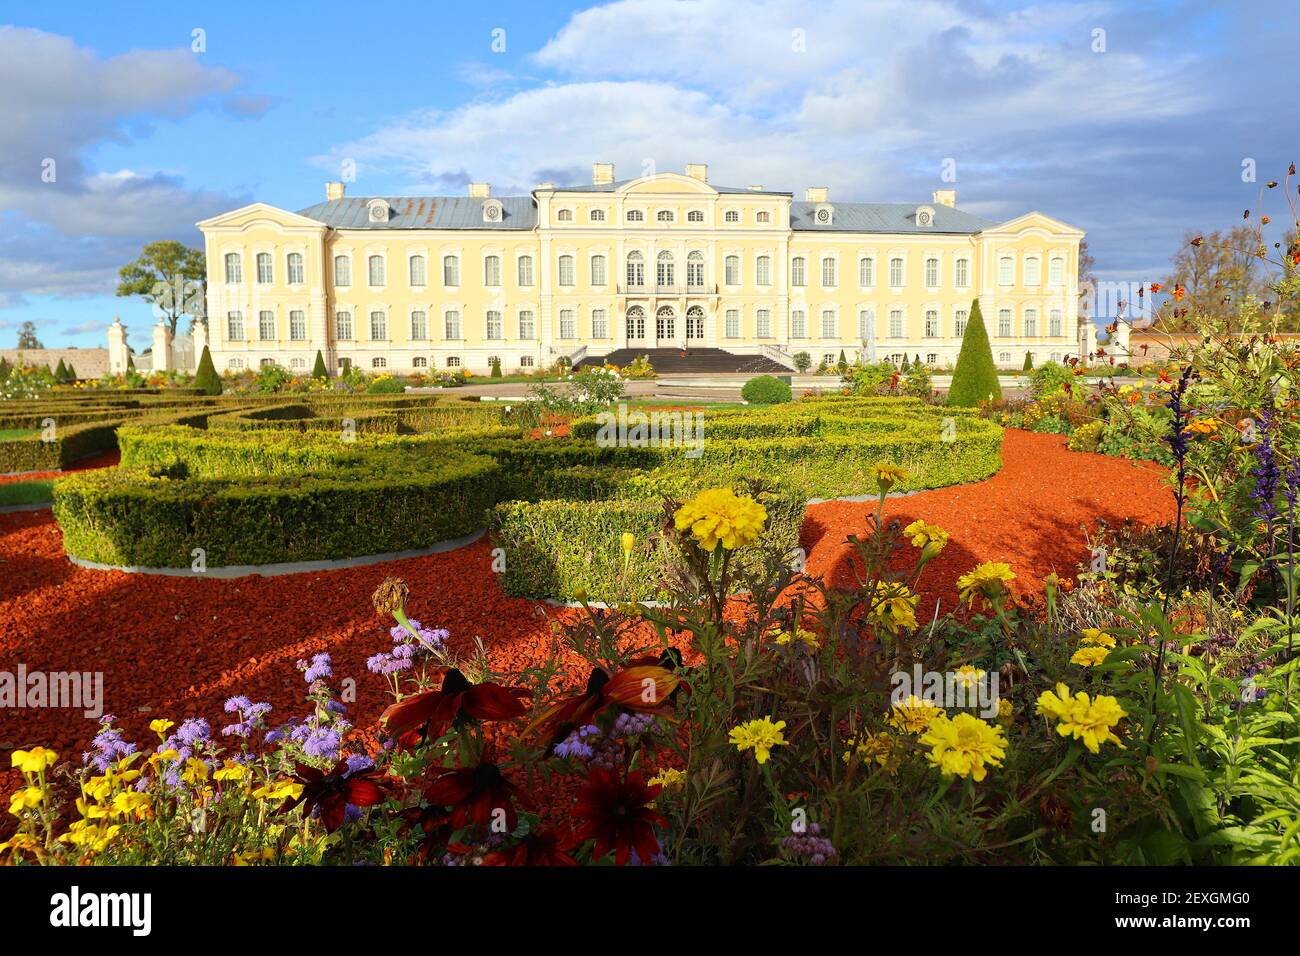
(975,379)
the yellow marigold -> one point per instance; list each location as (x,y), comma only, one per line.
(1089,656)
(25,798)
(888,475)
(1006,713)
(761,735)
(968,676)
(929,538)
(719,516)
(33,761)
(807,638)
(1096,637)
(883,749)
(895,607)
(964,746)
(161,726)
(280,790)
(1201,426)
(1081,717)
(629,542)
(988,581)
(913,715)
(668,778)
(230,771)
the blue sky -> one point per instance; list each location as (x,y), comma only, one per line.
(1135,143)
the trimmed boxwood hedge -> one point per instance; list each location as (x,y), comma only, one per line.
(70,444)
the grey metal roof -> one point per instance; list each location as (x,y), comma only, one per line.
(610,187)
(424,212)
(888,217)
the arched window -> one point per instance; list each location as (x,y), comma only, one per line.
(267,363)
(416,270)
(664,269)
(1004,322)
(1056,271)
(665,324)
(343,326)
(636,322)
(1031,322)
(342,271)
(764,217)
(494,325)
(695,322)
(664,215)
(763,270)
(731,270)
(1033,275)
(829,330)
(798,324)
(763,323)
(635,215)
(451,325)
(695,270)
(731,328)
(527,326)
(799,271)
(492,271)
(451,270)
(525,270)
(1006,270)
(566,270)
(695,216)
(597,215)
(419,325)
(598,270)
(961,273)
(295,270)
(266,326)
(564,215)
(732,215)
(635,270)
(234,269)
(376,270)
(265,273)
(866,325)
(297,325)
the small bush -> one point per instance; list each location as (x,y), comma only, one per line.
(766,390)
(975,379)
(207,379)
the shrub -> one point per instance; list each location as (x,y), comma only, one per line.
(802,362)
(1050,377)
(766,390)
(496,366)
(385,385)
(318,371)
(207,380)
(1086,437)
(975,379)
(1029,362)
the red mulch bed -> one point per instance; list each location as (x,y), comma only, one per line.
(176,647)
(105,459)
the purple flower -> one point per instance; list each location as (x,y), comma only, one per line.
(1266,471)
(811,846)
(250,716)
(323,742)
(109,746)
(316,669)
(574,745)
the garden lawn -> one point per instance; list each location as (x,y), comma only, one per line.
(180,646)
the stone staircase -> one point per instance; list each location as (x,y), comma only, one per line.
(696,361)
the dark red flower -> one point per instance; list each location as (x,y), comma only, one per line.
(543,848)
(436,710)
(614,811)
(475,795)
(435,823)
(333,791)
(645,685)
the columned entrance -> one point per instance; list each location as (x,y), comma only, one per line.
(636,326)
(695,325)
(666,326)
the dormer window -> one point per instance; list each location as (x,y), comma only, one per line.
(377,210)
(764,217)
(564,215)
(493,211)
(925,216)
(824,214)
(664,215)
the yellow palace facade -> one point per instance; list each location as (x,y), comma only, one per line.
(662,261)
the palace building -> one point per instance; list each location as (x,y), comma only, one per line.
(418,283)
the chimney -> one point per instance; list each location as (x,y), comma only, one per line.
(816,194)
(698,171)
(946,197)
(480,190)
(755,189)
(335,191)
(602,174)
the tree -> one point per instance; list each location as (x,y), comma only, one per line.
(206,378)
(318,370)
(1087,279)
(170,275)
(72,374)
(27,336)
(1029,362)
(975,379)
(802,362)
(1217,271)
(5,368)
(130,362)
(496,366)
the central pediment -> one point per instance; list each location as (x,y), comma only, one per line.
(668,183)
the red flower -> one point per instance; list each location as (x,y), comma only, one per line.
(641,686)
(475,794)
(436,710)
(435,823)
(333,791)
(614,811)
(543,848)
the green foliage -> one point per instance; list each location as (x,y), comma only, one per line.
(496,366)
(802,362)
(385,385)
(1029,362)
(1050,377)
(61,373)
(766,390)
(975,379)
(272,378)
(318,370)
(169,275)
(5,368)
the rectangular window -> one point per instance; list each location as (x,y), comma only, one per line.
(566,270)
(378,326)
(828,273)
(732,327)
(599,324)
(798,273)
(451,324)
(494,326)
(828,325)
(1054,322)
(343,326)
(896,273)
(376,270)
(234,269)
(1056,272)
(266,326)
(525,270)
(419,326)
(298,325)
(866,273)
(695,271)
(235,326)
(1006,270)
(1004,322)
(295,269)
(342,271)
(568,325)
(451,271)
(417,271)
(961,274)
(264,273)
(931,273)
(1032,276)
(866,324)
(798,325)
(598,270)
(763,271)
(492,271)
(896,323)
(1031,321)
(959,323)
(931,323)
(732,270)
(763,324)
(527,326)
